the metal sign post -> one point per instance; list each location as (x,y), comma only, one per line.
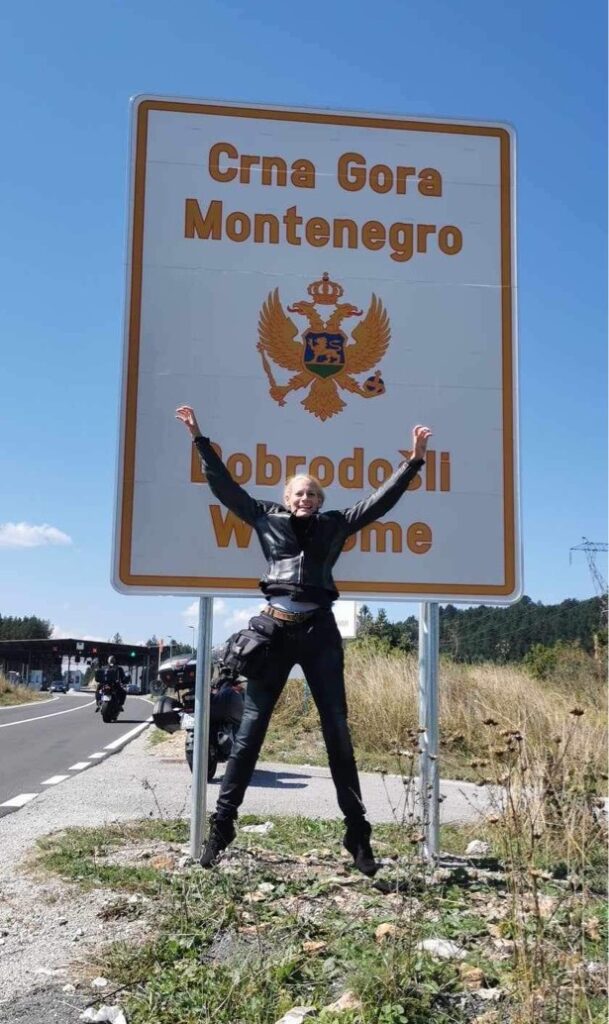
(429,633)
(201,739)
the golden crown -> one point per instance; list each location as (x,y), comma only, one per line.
(325,292)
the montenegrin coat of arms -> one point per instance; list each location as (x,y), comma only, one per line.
(325,359)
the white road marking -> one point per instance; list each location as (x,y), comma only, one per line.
(19,801)
(24,721)
(78,766)
(102,754)
(54,780)
(127,736)
(47,700)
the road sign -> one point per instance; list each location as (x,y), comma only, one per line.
(314,284)
(345,613)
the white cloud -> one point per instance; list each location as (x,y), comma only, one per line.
(191,613)
(59,633)
(229,615)
(242,617)
(234,618)
(24,535)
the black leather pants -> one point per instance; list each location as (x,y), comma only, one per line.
(315,645)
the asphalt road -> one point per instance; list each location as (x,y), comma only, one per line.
(45,743)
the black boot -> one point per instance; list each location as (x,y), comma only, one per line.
(357,842)
(221,833)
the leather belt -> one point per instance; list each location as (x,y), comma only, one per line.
(278,613)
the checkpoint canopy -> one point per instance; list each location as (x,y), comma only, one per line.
(315,283)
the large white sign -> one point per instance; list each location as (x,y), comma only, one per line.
(315,284)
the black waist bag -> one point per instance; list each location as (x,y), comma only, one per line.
(248,652)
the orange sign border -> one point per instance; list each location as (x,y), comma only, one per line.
(129,579)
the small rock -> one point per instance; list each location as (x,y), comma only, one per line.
(443,948)
(104,1015)
(50,972)
(296,1015)
(185,861)
(477,848)
(69,989)
(384,931)
(254,897)
(591,926)
(62,920)
(266,887)
(489,994)
(163,862)
(472,977)
(314,947)
(348,1001)
(259,830)
(547,905)
(99,982)
(339,880)
(595,967)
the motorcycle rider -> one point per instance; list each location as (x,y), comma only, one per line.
(114,676)
(301,544)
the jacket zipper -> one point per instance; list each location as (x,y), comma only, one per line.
(301,560)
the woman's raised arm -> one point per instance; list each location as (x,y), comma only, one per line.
(186,414)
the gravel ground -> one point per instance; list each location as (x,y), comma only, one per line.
(48,928)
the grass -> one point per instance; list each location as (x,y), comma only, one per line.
(382,694)
(156,737)
(11,693)
(284,921)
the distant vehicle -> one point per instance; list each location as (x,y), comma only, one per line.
(58,688)
(109,703)
(133,688)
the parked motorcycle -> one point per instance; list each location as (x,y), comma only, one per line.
(110,705)
(226,711)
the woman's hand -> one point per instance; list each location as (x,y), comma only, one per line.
(186,414)
(420,437)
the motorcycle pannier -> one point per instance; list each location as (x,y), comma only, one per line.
(165,714)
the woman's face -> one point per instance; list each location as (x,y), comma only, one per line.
(303,497)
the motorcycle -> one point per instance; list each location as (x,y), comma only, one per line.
(110,705)
(226,711)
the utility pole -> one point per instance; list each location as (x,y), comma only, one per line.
(591,549)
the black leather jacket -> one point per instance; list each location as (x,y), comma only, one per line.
(300,561)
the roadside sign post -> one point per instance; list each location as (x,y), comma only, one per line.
(201,738)
(429,769)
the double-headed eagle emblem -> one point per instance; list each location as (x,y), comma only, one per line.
(325,360)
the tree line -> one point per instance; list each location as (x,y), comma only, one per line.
(30,627)
(487,633)
(480,633)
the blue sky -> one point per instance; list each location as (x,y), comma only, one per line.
(67,71)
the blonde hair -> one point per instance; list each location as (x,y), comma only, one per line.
(303,476)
